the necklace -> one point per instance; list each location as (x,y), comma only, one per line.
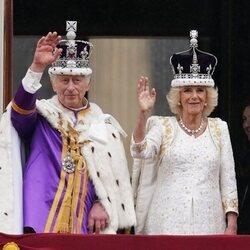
(193,132)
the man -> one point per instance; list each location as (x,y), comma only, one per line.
(76,178)
(243,171)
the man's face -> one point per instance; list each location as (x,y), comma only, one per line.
(71,89)
(246,121)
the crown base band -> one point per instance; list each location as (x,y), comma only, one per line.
(182,82)
(69,71)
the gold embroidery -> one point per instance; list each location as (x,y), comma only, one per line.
(81,144)
(168,134)
(83,112)
(20,110)
(84,194)
(140,147)
(230,204)
(215,130)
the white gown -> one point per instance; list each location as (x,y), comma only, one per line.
(187,199)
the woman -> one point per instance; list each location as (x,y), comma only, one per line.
(183,176)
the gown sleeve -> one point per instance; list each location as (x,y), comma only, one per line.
(227,172)
(150,145)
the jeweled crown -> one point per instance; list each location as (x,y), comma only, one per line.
(75,55)
(193,66)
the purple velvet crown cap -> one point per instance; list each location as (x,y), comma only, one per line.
(75,55)
(193,67)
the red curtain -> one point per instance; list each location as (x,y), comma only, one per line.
(123,242)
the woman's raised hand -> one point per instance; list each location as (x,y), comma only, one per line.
(146,98)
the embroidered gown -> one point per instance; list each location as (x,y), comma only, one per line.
(195,184)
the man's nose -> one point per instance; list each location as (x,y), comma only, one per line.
(70,85)
(248,122)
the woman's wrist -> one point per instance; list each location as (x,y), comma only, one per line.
(232,220)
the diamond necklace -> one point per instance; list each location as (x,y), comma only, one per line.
(193,132)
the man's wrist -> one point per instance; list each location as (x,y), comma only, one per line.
(37,68)
(31,81)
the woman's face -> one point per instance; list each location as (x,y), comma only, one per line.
(193,99)
(246,121)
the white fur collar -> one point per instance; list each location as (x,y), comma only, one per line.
(91,125)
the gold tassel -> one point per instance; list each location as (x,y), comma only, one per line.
(62,223)
(67,213)
(64,217)
(61,183)
(67,216)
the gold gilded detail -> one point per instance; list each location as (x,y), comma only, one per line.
(230,204)
(140,147)
(216,131)
(20,110)
(168,134)
(11,246)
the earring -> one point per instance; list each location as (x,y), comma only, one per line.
(179,104)
(205,104)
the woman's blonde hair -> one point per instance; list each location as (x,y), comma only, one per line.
(173,98)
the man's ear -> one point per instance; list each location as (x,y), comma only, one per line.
(53,84)
(89,85)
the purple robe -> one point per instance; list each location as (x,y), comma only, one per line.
(43,167)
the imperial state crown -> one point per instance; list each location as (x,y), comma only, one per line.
(75,55)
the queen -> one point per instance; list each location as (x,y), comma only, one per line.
(183,174)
